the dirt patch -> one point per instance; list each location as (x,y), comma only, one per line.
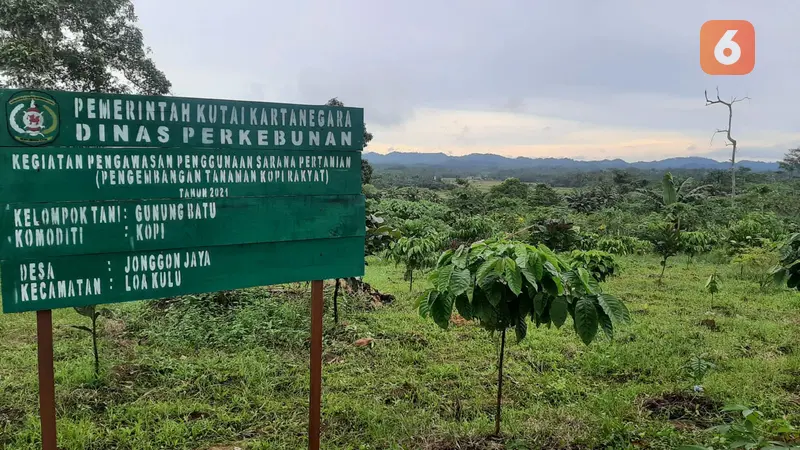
(459,321)
(686,408)
(711,324)
(196,415)
(793,385)
(9,415)
(354,286)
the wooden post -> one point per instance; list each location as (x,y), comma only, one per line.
(47,385)
(316,365)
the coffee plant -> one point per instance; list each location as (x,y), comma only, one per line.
(749,430)
(93,314)
(416,253)
(695,243)
(787,271)
(666,239)
(557,234)
(712,285)
(502,284)
(624,245)
(601,265)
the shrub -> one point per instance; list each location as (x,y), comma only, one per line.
(755,264)
(593,199)
(665,237)
(379,235)
(469,229)
(754,230)
(416,253)
(557,234)
(695,243)
(624,245)
(544,195)
(510,188)
(599,264)
(502,284)
(394,208)
(787,271)
(467,200)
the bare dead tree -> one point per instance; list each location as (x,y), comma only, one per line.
(731,141)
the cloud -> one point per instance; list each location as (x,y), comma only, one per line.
(625,73)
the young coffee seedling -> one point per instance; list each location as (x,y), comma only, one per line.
(502,284)
(92,313)
(712,285)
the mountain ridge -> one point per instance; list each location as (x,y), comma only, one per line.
(491,161)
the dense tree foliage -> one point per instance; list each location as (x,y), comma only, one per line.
(791,162)
(80,45)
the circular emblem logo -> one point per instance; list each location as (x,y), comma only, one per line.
(32,117)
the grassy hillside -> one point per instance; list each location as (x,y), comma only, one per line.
(200,374)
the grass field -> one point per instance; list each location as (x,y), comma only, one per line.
(196,377)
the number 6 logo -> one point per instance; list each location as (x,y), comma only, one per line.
(727,47)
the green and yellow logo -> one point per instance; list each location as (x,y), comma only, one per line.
(32,117)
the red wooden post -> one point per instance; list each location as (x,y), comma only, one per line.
(316,365)
(47,384)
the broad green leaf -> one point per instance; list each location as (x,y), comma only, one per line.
(521,252)
(614,308)
(489,272)
(442,309)
(539,303)
(460,257)
(521,327)
(512,275)
(693,447)
(545,317)
(464,307)
(424,301)
(483,310)
(494,294)
(586,319)
(584,276)
(460,281)
(605,322)
(528,275)
(86,311)
(442,279)
(536,265)
(558,311)
(445,258)
(549,256)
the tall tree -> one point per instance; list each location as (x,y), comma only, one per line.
(366,178)
(731,141)
(366,168)
(791,162)
(79,45)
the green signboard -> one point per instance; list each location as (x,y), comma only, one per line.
(108,198)
(72,119)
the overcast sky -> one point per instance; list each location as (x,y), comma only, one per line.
(579,79)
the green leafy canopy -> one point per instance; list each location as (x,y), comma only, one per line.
(502,284)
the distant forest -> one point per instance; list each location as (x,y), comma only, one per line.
(432,177)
